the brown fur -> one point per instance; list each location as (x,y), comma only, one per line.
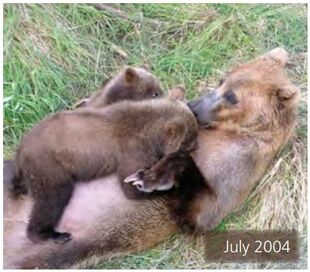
(233,154)
(249,117)
(84,144)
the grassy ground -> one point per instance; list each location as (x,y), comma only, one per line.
(57,54)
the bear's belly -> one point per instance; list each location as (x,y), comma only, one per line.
(93,202)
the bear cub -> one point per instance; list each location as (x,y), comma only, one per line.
(88,143)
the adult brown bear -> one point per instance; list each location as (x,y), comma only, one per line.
(250,127)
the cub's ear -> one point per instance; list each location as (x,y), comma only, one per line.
(131,76)
(177,93)
(145,67)
(289,96)
(80,104)
(173,135)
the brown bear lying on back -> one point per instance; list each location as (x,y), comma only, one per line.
(233,154)
(73,146)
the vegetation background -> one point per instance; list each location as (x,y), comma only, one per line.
(56,54)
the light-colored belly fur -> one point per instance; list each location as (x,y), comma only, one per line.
(92,200)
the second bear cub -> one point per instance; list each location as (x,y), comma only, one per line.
(131,83)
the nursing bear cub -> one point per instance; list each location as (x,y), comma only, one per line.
(88,143)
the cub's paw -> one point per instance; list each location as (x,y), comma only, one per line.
(62,237)
(147,180)
(44,235)
(138,180)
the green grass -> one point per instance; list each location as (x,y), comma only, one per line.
(55,54)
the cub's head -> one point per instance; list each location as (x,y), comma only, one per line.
(131,83)
(256,95)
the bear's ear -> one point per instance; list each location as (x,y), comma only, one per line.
(288,92)
(177,93)
(288,96)
(145,67)
(80,104)
(173,135)
(278,54)
(131,76)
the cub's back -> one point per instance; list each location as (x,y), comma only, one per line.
(148,114)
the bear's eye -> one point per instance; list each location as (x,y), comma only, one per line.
(231,97)
(155,95)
